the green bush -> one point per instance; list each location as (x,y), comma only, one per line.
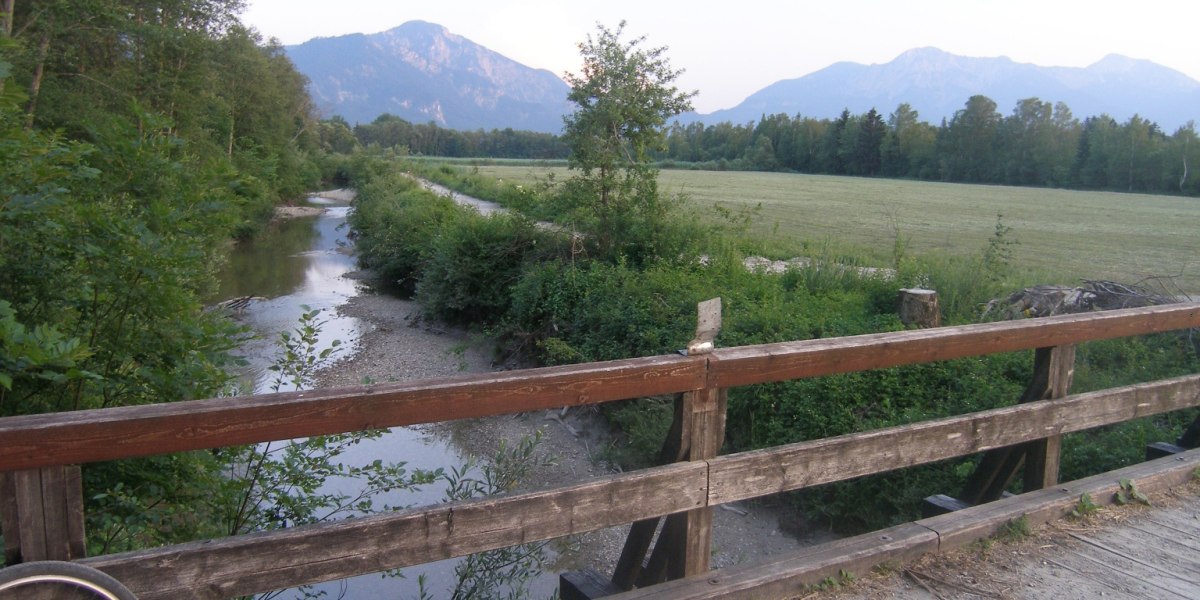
(396,223)
(473,263)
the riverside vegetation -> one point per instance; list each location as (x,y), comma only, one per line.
(136,141)
(556,297)
(546,295)
(622,272)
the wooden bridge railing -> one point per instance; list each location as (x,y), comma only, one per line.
(271,560)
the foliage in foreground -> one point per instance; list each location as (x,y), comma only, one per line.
(136,140)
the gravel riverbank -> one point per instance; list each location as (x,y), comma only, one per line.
(398,345)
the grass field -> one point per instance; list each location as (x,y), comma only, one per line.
(1064,235)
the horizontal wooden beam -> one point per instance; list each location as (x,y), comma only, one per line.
(758,473)
(789,575)
(266,561)
(747,365)
(97,435)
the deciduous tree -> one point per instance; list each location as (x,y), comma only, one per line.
(624,95)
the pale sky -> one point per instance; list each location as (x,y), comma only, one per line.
(733,48)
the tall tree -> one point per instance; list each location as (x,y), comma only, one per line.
(969,141)
(871,132)
(623,98)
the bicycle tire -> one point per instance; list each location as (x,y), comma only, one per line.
(97,582)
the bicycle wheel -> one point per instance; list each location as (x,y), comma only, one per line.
(55,572)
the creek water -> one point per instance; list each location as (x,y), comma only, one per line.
(302,262)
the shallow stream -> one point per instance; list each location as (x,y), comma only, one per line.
(302,262)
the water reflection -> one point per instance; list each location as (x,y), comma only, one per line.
(302,262)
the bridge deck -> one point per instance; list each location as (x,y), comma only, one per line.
(1123,553)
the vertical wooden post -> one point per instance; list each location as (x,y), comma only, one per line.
(684,545)
(704,436)
(1053,369)
(41,513)
(1042,456)
(708,408)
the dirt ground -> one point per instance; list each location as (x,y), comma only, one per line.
(399,345)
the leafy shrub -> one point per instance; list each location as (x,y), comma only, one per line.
(473,263)
(396,223)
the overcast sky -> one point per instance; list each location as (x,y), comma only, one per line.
(732,48)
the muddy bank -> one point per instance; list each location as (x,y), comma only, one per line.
(397,345)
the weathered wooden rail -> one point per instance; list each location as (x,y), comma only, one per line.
(689,489)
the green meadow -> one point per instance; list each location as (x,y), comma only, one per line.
(1063,235)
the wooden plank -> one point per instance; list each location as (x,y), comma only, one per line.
(88,436)
(666,549)
(8,519)
(787,576)
(265,561)
(96,435)
(76,534)
(43,514)
(1042,456)
(708,408)
(585,584)
(641,533)
(1053,370)
(31,516)
(1153,551)
(812,358)
(962,527)
(54,513)
(758,473)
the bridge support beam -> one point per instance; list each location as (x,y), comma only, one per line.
(1053,370)
(684,545)
(41,514)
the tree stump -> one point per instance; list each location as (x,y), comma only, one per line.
(919,307)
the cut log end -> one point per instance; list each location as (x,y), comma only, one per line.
(919,307)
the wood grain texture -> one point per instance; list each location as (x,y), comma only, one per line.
(747,365)
(97,435)
(1042,456)
(962,527)
(786,576)
(8,518)
(794,466)
(265,561)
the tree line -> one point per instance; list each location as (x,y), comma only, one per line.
(390,131)
(1038,144)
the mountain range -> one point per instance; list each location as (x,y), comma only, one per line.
(421,72)
(938,83)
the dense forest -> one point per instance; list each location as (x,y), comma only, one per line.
(1038,144)
(136,140)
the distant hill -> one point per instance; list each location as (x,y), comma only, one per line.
(421,72)
(938,83)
